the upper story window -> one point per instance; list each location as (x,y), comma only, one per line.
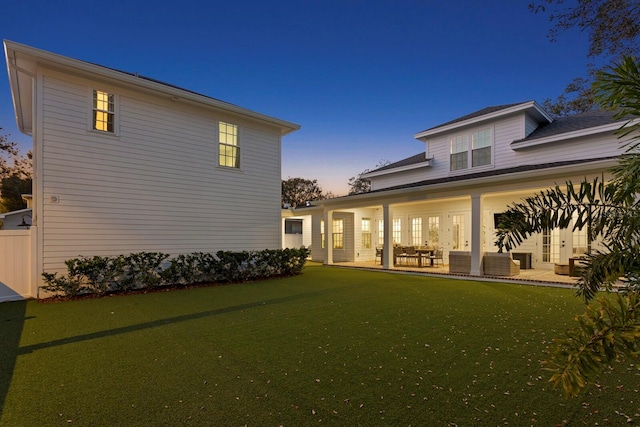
(229,150)
(478,153)
(481,148)
(104,111)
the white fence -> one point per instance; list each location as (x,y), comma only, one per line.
(15,265)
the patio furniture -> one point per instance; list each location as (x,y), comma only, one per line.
(575,266)
(524,258)
(379,254)
(500,264)
(460,262)
(561,269)
(437,255)
(410,254)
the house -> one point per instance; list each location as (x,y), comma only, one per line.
(125,163)
(451,194)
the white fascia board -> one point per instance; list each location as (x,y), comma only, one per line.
(406,194)
(516,108)
(420,165)
(44,57)
(612,127)
(18,212)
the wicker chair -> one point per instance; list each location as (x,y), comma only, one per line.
(500,264)
(460,262)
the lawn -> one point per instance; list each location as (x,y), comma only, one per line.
(330,347)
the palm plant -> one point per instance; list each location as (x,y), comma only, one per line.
(610,327)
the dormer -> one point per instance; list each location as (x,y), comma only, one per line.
(472,141)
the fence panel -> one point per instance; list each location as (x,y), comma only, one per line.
(15,265)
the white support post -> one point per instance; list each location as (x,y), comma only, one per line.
(387,252)
(328,236)
(477,235)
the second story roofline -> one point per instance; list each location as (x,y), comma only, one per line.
(23,61)
(485,114)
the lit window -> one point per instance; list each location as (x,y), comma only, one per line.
(380,232)
(397,231)
(458,232)
(322,233)
(366,233)
(434,231)
(416,231)
(551,245)
(229,150)
(338,233)
(103,111)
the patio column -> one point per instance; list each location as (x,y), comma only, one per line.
(328,237)
(476,234)
(387,253)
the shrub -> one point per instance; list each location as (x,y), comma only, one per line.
(145,270)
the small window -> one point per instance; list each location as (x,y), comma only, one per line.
(104,111)
(229,155)
(292,226)
(322,233)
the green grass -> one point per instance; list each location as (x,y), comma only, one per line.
(329,347)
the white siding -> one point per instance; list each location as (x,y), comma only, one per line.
(154,187)
(505,131)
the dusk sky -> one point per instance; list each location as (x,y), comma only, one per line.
(360,76)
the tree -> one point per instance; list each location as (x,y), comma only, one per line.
(298,191)
(613,27)
(610,327)
(359,185)
(15,175)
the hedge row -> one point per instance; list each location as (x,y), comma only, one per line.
(148,270)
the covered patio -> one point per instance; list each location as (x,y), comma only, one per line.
(542,277)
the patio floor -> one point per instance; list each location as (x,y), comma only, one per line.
(526,276)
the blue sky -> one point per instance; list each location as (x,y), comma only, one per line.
(360,76)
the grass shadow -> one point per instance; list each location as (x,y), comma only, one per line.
(158,323)
(12,317)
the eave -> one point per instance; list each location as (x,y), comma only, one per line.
(22,62)
(531,106)
(612,127)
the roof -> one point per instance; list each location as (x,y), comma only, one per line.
(18,212)
(494,172)
(489,113)
(23,61)
(482,112)
(413,160)
(576,122)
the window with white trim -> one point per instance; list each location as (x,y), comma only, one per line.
(366,233)
(397,231)
(104,111)
(434,231)
(416,231)
(229,149)
(481,148)
(322,233)
(457,229)
(380,232)
(338,233)
(478,153)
